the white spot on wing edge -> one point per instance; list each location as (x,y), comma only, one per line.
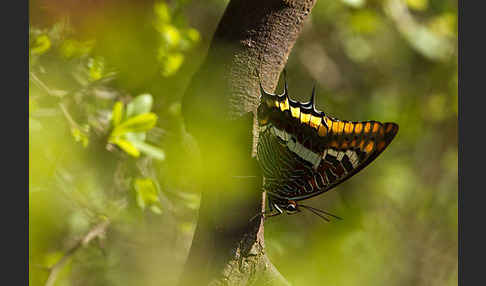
(353,158)
(324,154)
(332,152)
(340,156)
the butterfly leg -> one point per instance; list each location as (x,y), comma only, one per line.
(274,209)
(270,214)
(266,214)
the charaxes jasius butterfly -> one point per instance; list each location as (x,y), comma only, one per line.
(303,152)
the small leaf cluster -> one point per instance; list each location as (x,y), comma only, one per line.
(131,125)
(176,39)
(74,89)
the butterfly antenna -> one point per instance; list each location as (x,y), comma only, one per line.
(316,213)
(321,211)
(324,212)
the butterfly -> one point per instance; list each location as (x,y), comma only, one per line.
(303,152)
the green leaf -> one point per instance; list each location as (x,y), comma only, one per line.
(171,63)
(147,194)
(150,150)
(126,146)
(71,48)
(419,5)
(96,68)
(193,35)
(170,35)
(139,123)
(81,136)
(41,44)
(132,137)
(162,12)
(189,39)
(140,104)
(117,113)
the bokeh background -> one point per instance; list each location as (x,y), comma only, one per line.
(108,151)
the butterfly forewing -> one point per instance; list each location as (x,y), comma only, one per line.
(348,152)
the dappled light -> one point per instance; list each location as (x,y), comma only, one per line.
(116,168)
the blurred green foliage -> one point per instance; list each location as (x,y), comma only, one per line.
(147,195)
(107,143)
(174,40)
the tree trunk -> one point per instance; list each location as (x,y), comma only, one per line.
(253,38)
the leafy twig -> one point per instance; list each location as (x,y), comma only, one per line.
(97,231)
(68,116)
(39,83)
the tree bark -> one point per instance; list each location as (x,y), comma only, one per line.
(253,38)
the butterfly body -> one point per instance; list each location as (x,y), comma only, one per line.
(303,152)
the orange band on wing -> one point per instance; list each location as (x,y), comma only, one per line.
(367,127)
(322,130)
(348,128)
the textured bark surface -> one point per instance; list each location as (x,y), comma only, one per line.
(253,38)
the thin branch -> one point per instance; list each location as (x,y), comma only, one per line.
(55,93)
(42,85)
(97,231)
(68,116)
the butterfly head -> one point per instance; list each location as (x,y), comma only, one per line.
(290,207)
